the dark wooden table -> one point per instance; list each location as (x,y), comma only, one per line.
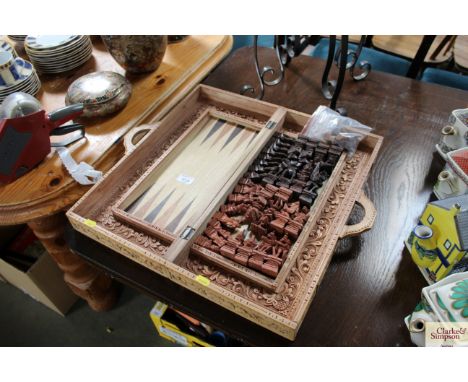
(371,284)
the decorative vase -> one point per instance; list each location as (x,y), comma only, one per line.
(136,54)
(424,246)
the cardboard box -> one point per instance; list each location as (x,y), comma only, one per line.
(43,281)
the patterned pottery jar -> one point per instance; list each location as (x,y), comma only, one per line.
(137,54)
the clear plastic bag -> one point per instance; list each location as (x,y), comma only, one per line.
(329,126)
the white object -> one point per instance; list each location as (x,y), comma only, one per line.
(29,82)
(83,173)
(453,181)
(329,126)
(6,47)
(48,41)
(448,185)
(441,290)
(416,324)
(455,134)
(56,54)
(19,104)
(434,296)
(10,68)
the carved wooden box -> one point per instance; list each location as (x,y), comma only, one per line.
(224,197)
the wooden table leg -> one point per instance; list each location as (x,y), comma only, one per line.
(84,280)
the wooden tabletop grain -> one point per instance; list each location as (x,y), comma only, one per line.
(371,284)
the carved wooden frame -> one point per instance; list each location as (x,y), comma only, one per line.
(280,311)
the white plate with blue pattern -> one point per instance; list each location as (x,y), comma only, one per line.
(48,42)
(17,37)
(57,54)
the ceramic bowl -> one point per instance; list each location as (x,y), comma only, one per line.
(102,93)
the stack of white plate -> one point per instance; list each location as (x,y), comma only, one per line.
(17,37)
(57,54)
(28,82)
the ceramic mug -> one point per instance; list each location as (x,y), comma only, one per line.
(10,68)
(5,46)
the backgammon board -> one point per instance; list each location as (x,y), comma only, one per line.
(169,201)
(225,197)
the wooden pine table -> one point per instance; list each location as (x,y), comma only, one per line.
(372,283)
(40,197)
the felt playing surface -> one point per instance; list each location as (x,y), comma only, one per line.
(185,186)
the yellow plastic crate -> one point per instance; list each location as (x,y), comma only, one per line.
(171,332)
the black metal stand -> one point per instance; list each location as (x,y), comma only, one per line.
(267,70)
(330,88)
(345,59)
(288,47)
